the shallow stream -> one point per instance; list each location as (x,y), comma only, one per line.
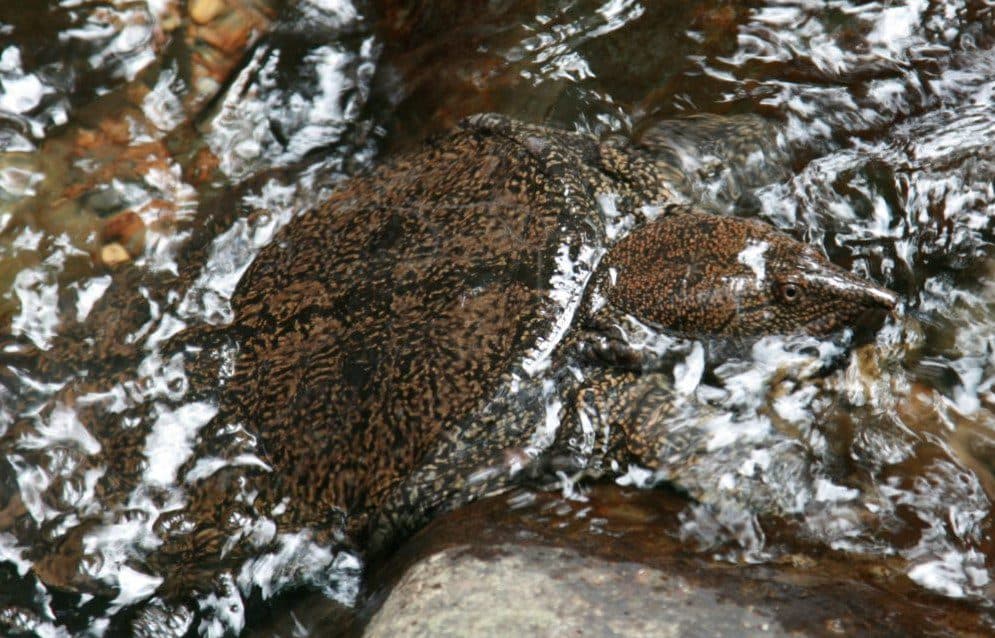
(160,144)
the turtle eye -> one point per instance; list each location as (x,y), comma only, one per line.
(790,291)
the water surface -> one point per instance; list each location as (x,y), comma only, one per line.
(140,148)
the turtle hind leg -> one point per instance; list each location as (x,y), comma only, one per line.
(487,453)
(437,488)
(638,418)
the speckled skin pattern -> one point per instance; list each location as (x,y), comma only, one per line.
(702,274)
(384,335)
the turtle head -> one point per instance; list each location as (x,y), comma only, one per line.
(702,274)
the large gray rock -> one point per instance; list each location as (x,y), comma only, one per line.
(540,591)
(615,563)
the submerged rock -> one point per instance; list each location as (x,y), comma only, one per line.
(539,591)
(611,564)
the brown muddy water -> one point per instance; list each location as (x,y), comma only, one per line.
(160,144)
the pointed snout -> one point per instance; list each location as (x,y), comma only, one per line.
(853,289)
(861,304)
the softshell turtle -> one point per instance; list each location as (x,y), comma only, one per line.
(430,330)
(434,331)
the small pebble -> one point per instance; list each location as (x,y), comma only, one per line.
(203,11)
(835,626)
(114,254)
(230,35)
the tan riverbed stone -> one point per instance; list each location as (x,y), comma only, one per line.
(541,591)
(203,11)
(114,254)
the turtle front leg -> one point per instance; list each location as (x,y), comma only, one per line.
(674,438)
(640,418)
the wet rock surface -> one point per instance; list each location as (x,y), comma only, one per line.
(537,591)
(612,563)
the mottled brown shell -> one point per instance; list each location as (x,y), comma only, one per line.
(378,320)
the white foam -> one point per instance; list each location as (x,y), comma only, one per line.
(299,560)
(88,293)
(38,294)
(545,434)
(11,553)
(227,610)
(616,224)
(134,586)
(62,427)
(568,285)
(20,94)
(232,253)
(951,573)
(162,105)
(826,490)
(688,375)
(895,25)
(170,443)
(343,10)
(207,466)
(636,476)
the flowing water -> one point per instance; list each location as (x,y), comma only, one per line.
(159,145)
